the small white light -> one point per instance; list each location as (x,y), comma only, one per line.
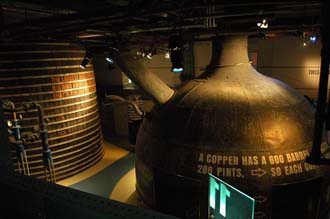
(149,56)
(263,24)
(167,55)
(129,81)
(304,44)
(313,39)
(109,60)
(9,123)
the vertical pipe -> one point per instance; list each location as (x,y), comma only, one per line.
(47,154)
(315,155)
(188,60)
(326,53)
(213,18)
(22,162)
(2,19)
(5,153)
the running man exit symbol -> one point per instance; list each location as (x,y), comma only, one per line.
(225,201)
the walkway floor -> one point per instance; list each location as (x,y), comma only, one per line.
(112,177)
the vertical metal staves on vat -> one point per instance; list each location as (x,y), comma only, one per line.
(49,74)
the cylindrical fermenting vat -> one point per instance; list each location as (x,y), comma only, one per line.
(50,74)
(252,131)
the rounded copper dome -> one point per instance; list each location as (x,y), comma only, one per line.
(252,131)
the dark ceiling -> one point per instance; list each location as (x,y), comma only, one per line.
(96,22)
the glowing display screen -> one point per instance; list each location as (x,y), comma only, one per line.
(225,201)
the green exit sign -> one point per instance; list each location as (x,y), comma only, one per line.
(225,201)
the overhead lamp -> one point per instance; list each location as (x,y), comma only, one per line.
(149,55)
(263,24)
(146,53)
(177,69)
(167,55)
(151,52)
(313,39)
(85,61)
(175,46)
(110,55)
(176,59)
(109,60)
(141,53)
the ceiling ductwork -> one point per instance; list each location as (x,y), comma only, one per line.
(90,21)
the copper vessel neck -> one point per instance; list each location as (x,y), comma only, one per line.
(229,51)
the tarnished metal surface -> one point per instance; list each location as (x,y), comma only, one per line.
(250,130)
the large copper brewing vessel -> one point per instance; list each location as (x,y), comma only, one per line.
(252,131)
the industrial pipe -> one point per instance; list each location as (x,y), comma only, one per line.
(5,151)
(22,161)
(134,68)
(130,102)
(49,169)
(321,116)
(15,130)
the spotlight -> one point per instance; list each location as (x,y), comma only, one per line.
(263,24)
(176,59)
(177,69)
(109,60)
(151,52)
(313,39)
(141,53)
(110,55)
(149,56)
(85,61)
(147,53)
(167,55)
(175,46)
